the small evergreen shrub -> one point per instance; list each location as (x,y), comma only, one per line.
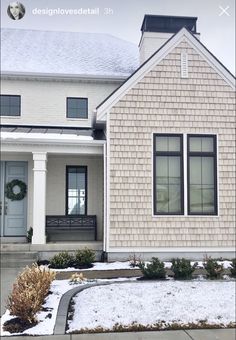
(182,269)
(233,268)
(84,258)
(153,270)
(213,269)
(62,260)
(28,295)
(29,235)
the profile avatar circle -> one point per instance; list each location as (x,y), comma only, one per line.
(16,10)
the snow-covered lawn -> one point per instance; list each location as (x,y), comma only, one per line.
(47,318)
(151,304)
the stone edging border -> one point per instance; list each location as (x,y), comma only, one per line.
(61,318)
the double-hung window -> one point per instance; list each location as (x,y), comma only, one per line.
(168,179)
(200,196)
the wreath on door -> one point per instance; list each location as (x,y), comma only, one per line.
(9,191)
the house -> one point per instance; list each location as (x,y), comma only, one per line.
(125,150)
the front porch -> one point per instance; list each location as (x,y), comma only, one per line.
(65,192)
(48,250)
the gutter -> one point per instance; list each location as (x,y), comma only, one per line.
(63,76)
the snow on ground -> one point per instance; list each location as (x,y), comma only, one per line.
(45,325)
(150,303)
(126,265)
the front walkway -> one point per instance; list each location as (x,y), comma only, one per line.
(199,334)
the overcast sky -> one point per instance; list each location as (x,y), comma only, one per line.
(123,18)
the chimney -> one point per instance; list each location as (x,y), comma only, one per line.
(157,29)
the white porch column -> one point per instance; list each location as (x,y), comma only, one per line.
(39,198)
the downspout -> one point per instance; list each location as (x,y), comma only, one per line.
(105,200)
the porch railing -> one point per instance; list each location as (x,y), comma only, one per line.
(66,224)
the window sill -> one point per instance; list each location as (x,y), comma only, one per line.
(185,216)
(11,117)
(76,119)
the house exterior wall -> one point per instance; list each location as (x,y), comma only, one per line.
(163,102)
(44,102)
(56,186)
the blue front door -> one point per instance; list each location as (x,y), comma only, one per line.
(13,213)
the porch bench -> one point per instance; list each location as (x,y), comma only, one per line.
(67,224)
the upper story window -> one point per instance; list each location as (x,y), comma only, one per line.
(77,108)
(168,169)
(10,105)
(202,182)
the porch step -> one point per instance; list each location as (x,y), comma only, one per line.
(17,259)
(15,247)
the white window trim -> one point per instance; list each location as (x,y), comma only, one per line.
(185,181)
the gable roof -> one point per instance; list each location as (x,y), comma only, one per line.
(47,52)
(104,107)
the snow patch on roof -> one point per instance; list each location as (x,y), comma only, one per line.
(67,53)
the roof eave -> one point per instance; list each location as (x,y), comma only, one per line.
(62,76)
(107,104)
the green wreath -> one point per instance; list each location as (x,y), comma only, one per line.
(10,190)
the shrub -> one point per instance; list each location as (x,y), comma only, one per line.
(153,270)
(62,260)
(84,258)
(29,292)
(134,261)
(233,268)
(182,268)
(213,269)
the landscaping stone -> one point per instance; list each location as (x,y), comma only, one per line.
(105,274)
(100,274)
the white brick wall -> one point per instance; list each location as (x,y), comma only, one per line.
(44,102)
(164,102)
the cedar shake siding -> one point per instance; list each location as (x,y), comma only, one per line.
(163,102)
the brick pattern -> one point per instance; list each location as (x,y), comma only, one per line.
(163,102)
(44,102)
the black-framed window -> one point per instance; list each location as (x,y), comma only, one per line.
(168,174)
(10,105)
(202,174)
(76,190)
(77,107)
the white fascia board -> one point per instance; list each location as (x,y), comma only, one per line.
(61,76)
(213,62)
(39,138)
(156,58)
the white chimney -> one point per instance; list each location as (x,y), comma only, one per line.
(157,29)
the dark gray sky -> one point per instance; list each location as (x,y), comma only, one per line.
(123,18)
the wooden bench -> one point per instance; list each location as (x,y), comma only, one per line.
(67,224)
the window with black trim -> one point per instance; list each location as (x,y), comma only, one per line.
(202,178)
(168,174)
(10,105)
(77,107)
(76,190)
